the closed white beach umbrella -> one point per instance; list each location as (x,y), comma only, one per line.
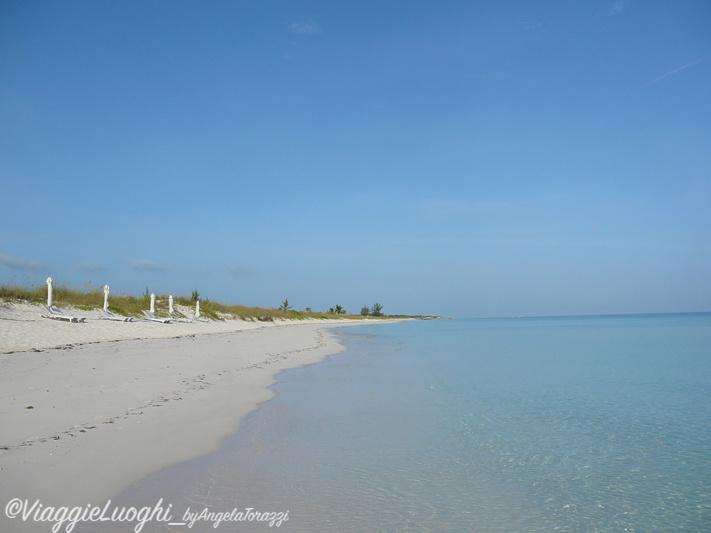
(106,297)
(49,292)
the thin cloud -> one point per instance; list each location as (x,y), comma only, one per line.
(495,76)
(90,267)
(436,206)
(679,69)
(616,8)
(237,270)
(307,26)
(529,24)
(145,264)
(21,264)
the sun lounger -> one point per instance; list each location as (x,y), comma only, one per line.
(174,316)
(150,316)
(56,314)
(198,319)
(109,315)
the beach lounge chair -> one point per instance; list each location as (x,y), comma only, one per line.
(153,318)
(109,315)
(174,316)
(198,318)
(56,314)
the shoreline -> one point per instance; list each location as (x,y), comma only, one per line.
(22,329)
(84,420)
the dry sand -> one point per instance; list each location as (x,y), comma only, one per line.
(87,409)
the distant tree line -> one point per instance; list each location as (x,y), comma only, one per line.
(375,310)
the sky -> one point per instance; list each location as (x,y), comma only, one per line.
(463,159)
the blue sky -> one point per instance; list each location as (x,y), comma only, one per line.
(466,159)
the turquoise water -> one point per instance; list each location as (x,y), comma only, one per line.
(540,424)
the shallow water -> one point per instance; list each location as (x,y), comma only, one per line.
(542,424)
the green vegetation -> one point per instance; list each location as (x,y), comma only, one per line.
(88,297)
(337,310)
(30,294)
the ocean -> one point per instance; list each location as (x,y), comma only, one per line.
(484,425)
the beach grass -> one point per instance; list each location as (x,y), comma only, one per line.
(88,297)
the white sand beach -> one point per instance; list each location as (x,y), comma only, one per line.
(87,409)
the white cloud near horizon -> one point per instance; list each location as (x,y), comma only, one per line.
(21,264)
(239,270)
(307,26)
(145,264)
(90,267)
